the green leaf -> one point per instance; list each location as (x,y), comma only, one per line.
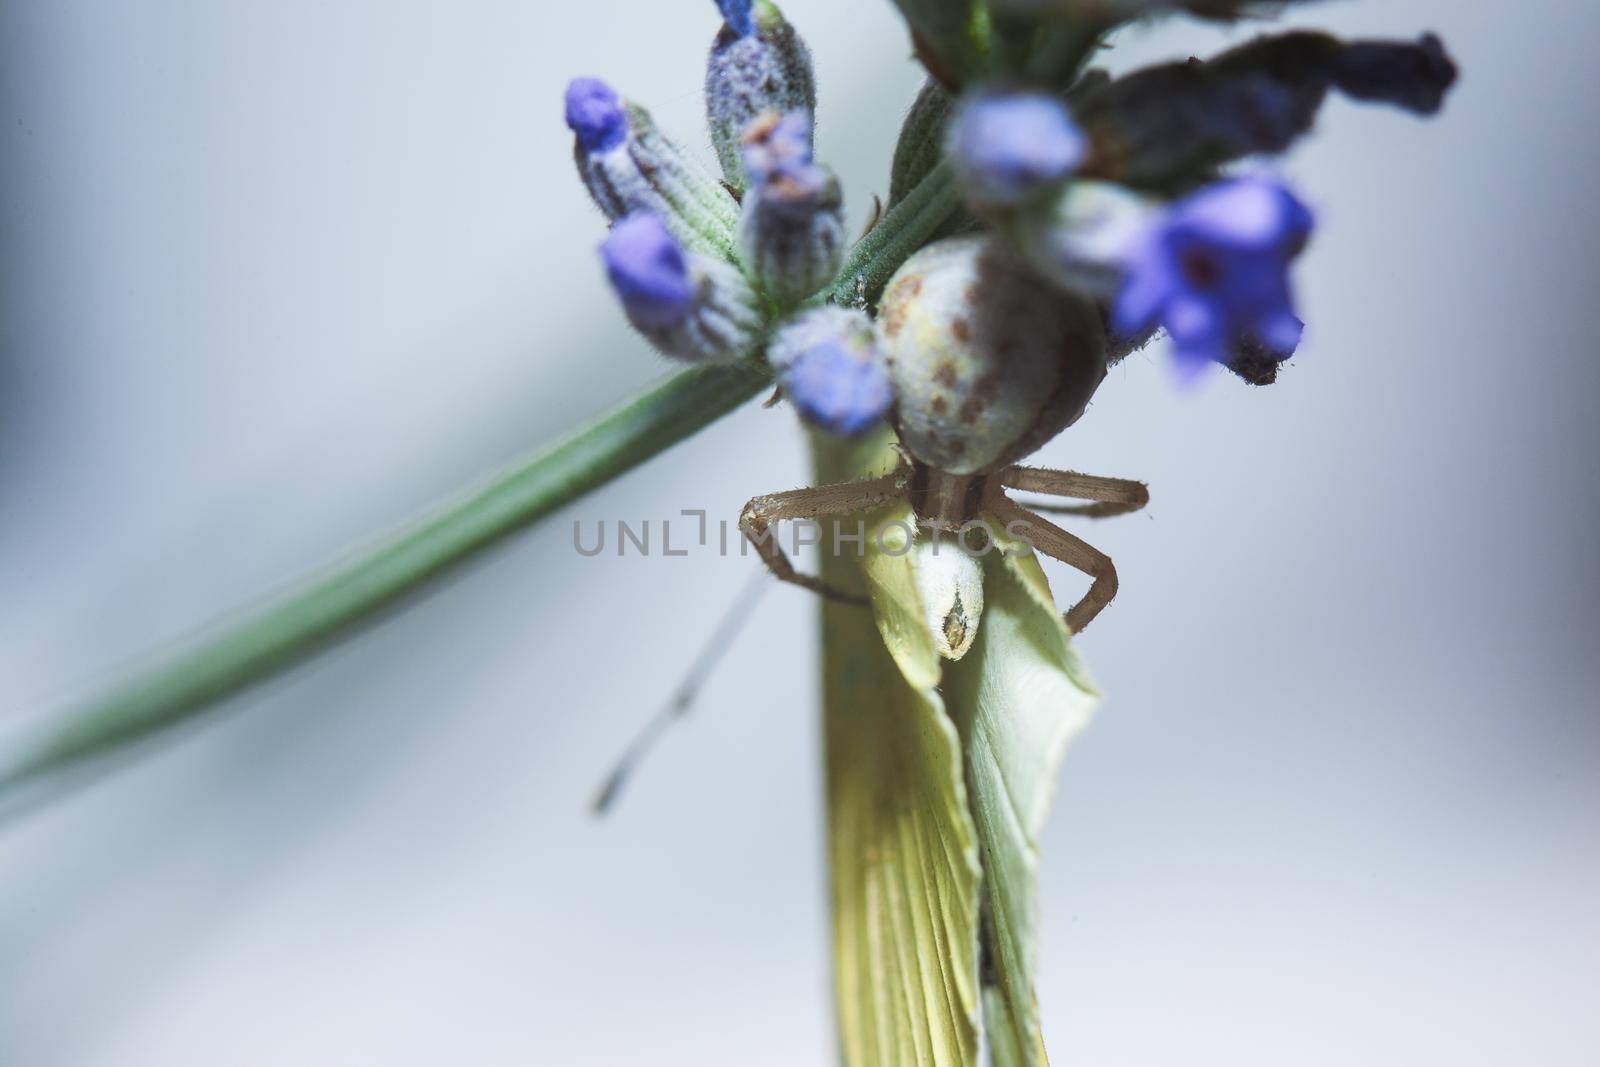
(920,146)
(908,226)
(330,607)
(1018,698)
(1014,701)
(357,592)
(903,856)
(951,37)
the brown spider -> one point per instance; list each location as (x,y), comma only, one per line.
(988,363)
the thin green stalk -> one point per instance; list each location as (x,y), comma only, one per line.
(335,605)
(904,230)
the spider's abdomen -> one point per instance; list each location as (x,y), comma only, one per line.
(988,361)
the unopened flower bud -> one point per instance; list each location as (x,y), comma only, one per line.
(1109,12)
(739,16)
(1083,241)
(595,115)
(689,305)
(828,363)
(1010,148)
(629,166)
(1173,126)
(777,147)
(1413,76)
(758,64)
(792,233)
(950,586)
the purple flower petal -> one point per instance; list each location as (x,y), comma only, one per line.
(1248,213)
(1008,146)
(837,389)
(649,271)
(596,115)
(1415,77)
(777,149)
(1215,271)
(830,367)
(1282,334)
(739,16)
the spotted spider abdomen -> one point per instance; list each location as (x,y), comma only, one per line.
(988,360)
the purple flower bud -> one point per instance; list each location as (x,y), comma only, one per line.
(1169,126)
(1081,241)
(758,63)
(649,271)
(596,115)
(831,370)
(1415,77)
(1215,272)
(690,306)
(791,233)
(835,389)
(1254,114)
(738,15)
(630,167)
(777,151)
(1006,147)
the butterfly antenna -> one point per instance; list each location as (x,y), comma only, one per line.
(683,698)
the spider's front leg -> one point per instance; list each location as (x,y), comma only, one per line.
(1111,496)
(1057,543)
(758,516)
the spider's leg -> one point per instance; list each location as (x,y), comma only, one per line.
(760,514)
(1056,543)
(1111,496)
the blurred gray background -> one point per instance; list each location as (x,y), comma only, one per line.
(278,276)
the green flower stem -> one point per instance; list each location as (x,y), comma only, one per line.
(336,604)
(904,230)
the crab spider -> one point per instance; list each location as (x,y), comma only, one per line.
(942,500)
(988,363)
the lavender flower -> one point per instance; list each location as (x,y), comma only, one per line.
(1214,272)
(1110,11)
(791,234)
(829,366)
(1415,77)
(629,167)
(738,15)
(1081,242)
(595,115)
(1173,126)
(1008,147)
(776,145)
(649,271)
(758,64)
(693,307)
